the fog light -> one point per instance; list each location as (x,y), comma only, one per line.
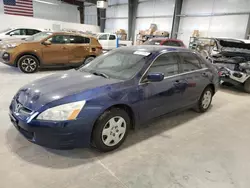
(6,56)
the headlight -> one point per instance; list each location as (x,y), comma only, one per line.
(10,45)
(63,112)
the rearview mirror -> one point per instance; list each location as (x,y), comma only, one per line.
(155,77)
(12,33)
(46,43)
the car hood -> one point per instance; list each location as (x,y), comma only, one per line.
(16,42)
(57,86)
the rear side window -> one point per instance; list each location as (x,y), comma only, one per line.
(112,37)
(152,42)
(32,31)
(172,43)
(190,62)
(167,64)
(79,40)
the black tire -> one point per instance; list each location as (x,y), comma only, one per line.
(88,60)
(102,122)
(200,107)
(28,64)
(247,85)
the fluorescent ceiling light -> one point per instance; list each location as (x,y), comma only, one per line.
(45,2)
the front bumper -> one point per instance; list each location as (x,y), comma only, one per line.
(56,135)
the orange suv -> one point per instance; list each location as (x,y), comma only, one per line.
(50,49)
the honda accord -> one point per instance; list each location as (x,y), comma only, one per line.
(100,102)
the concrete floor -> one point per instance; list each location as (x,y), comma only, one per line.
(208,150)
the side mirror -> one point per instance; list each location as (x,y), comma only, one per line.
(46,43)
(12,33)
(155,77)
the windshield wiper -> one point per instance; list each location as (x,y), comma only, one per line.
(100,74)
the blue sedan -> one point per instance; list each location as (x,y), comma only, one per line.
(100,102)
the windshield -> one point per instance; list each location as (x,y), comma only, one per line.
(39,36)
(118,64)
(152,42)
(5,30)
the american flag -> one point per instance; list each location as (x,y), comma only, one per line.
(18,7)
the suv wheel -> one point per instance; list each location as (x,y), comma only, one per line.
(111,129)
(205,100)
(88,60)
(247,85)
(28,64)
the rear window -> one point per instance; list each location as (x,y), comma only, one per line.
(152,42)
(172,43)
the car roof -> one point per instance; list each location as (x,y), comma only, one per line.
(166,39)
(69,33)
(154,48)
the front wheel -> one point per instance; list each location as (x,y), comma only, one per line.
(111,129)
(205,100)
(28,64)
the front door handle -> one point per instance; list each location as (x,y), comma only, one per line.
(64,48)
(204,74)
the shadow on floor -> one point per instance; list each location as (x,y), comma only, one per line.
(68,158)
(5,69)
(236,90)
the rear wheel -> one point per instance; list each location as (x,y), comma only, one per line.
(88,60)
(247,85)
(205,100)
(28,64)
(111,129)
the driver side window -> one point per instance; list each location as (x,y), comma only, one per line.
(59,39)
(166,64)
(17,32)
(103,37)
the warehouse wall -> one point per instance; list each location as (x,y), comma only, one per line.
(11,21)
(90,15)
(117,15)
(56,11)
(214,26)
(159,12)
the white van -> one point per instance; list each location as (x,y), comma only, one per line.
(110,41)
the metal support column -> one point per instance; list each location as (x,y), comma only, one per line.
(132,12)
(176,18)
(248,28)
(81,9)
(101,18)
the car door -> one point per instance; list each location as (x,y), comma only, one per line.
(57,52)
(103,40)
(162,97)
(196,76)
(79,48)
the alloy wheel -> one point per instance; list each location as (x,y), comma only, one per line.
(29,64)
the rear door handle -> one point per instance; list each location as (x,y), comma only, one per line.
(64,48)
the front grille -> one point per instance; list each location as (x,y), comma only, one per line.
(18,108)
